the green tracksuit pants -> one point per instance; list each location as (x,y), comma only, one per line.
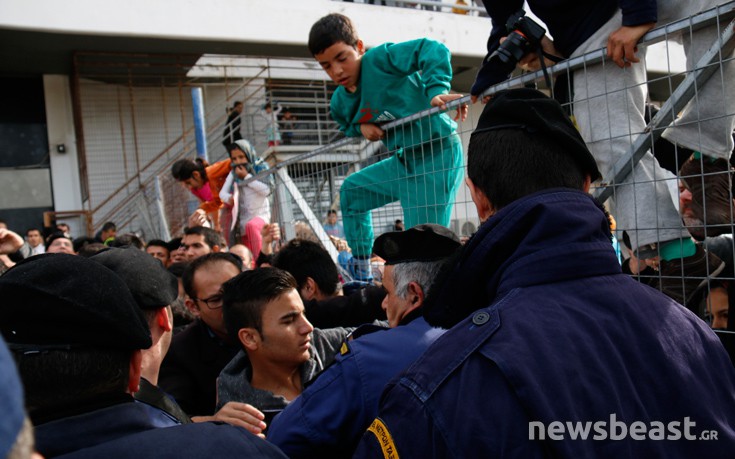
(425,179)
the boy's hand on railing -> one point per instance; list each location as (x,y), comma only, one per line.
(623,44)
(441,101)
(371,131)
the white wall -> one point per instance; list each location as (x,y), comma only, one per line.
(60,122)
(284,22)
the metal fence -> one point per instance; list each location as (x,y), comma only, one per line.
(134,116)
(308,184)
(312,181)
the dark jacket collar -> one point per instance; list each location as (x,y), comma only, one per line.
(546,237)
(411,316)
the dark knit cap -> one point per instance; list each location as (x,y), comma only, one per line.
(152,286)
(427,242)
(540,115)
(59,300)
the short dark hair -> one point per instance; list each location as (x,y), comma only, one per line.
(211,237)
(244,297)
(158,243)
(34,229)
(128,239)
(174,244)
(332,28)
(78,243)
(109,226)
(331,211)
(66,377)
(57,235)
(508,164)
(89,249)
(183,169)
(304,259)
(187,279)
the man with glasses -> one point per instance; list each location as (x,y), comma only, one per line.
(198,354)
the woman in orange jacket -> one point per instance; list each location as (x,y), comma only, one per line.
(204,182)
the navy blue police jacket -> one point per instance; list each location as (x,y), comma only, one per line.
(128,431)
(329,417)
(548,330)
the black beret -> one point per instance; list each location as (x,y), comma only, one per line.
(152,286)
(427,242)
(65,300)
(533,111)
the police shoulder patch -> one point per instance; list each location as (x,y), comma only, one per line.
(345,349)
(384,438)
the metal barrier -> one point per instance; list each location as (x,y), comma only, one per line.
(307,176)
(309,184)
(134,120)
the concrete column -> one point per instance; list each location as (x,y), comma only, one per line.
(60,121)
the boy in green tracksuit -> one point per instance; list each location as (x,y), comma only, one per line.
(379,85)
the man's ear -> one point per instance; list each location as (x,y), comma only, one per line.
(134,373)
(360,47)
(163,319)
(485,208)
(414,295)
(216,248)
(587,183)
(192,306)
(249,338)
(310,290)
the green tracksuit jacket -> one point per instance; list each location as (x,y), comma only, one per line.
(425,165)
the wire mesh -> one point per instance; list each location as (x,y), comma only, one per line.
(418,179)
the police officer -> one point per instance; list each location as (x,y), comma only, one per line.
(154,289)
(331,414)
(548,336)
(77,334)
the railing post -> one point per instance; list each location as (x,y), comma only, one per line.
(200,124)
(164,232)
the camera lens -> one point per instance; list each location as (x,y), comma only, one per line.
(515,45)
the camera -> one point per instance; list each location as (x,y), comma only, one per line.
(524,36)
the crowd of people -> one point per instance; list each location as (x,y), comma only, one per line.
(226,341)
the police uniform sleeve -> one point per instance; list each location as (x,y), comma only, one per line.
(403,429)
(327,418)
(451,419)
